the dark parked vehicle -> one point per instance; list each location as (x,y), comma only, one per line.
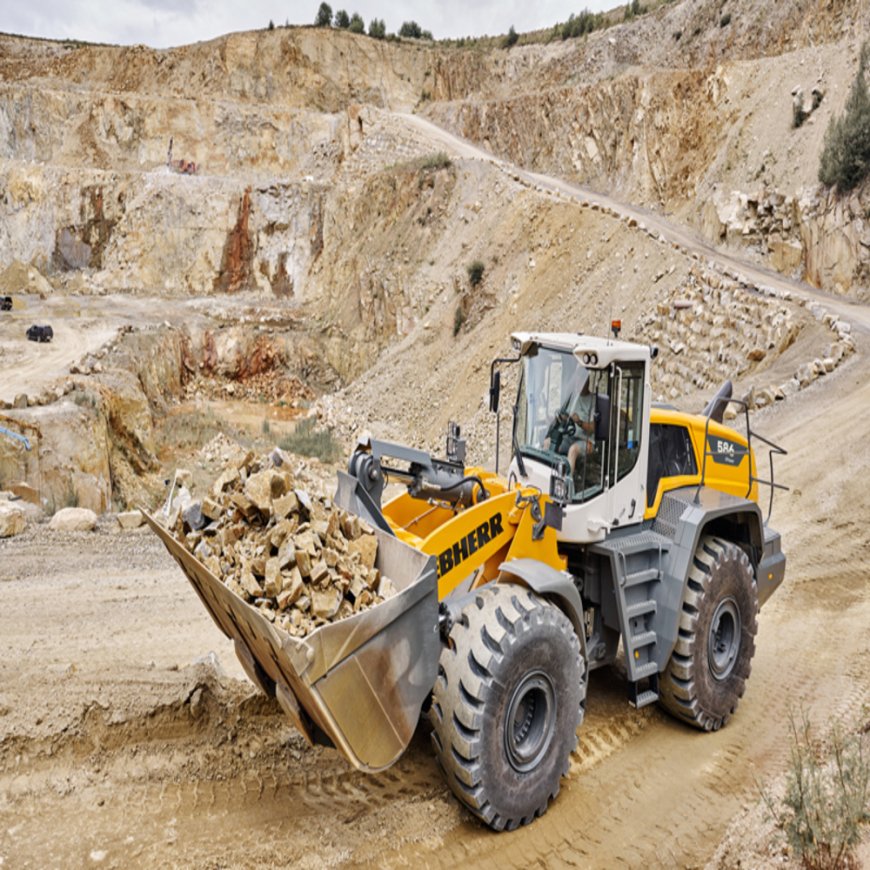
(5,303)
(40,333)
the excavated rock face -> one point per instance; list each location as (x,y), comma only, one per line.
(300,560)
(158,232)
(648,136)
(81,246)
(817,235)
(371,261)
(238,257)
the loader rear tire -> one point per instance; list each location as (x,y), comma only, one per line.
(707,672)
(507,702)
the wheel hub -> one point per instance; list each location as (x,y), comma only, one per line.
(530,722)
(723,643)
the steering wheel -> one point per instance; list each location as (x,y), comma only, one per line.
(567,426)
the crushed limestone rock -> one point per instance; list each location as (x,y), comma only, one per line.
(302,561)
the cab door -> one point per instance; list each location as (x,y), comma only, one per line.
(627,445)
(614,495)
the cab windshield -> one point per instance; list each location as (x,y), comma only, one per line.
(562,418)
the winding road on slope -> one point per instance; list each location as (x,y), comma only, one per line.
(647,221)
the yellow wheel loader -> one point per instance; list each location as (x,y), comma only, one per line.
(622,528)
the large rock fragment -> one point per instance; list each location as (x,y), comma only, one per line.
(366,546)
(11,521)
(325,604)
(73,519)
(130,520)
(299,560)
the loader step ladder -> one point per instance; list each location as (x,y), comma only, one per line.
(636,567)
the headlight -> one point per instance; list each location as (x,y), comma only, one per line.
(559,489)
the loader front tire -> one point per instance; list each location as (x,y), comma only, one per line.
(707,672)
(507,702)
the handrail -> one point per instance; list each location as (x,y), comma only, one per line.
(753,478)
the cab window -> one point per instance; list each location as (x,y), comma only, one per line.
(629,416)
(670,455)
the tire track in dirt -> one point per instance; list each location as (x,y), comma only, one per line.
(670,791)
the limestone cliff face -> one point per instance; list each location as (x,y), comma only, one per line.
(817,235)
(647,136)
(658,109)
(93,445)
(371,271)
(291,67)
(158,232)
(91,129)
(91,136)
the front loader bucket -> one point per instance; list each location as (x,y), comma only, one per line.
(361,681)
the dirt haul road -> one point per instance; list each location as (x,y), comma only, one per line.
(117,748)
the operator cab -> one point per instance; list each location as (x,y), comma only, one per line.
(581,427)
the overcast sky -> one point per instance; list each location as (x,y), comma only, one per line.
(164,23)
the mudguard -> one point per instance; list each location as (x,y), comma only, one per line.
(555,586)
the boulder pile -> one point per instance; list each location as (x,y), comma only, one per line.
(302,561)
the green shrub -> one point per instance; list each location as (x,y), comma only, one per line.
(475,272)
(438,160)
(827,797)
(410,30)
(341,19)
(633,9)
(266,428)
(725,20)
(458,319)
(324,16)
(307,440)
(357,25)
(845,160)
(580,25)
(511,39)
(377,28)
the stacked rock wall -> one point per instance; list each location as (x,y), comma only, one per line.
(712,329)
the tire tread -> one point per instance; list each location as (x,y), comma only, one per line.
(497,617)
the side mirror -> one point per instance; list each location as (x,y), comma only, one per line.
(494,391)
